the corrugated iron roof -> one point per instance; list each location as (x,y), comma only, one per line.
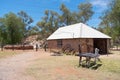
(78,30)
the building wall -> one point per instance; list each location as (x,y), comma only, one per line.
(86,44)
(52,44)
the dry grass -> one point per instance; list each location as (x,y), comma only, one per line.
(66,68)
(111,63)
(7,53)
(115,52)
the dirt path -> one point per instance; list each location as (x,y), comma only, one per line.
(13,68)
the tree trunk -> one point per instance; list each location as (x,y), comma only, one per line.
(12,47)
(1,47)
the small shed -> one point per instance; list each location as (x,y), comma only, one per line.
(79,34)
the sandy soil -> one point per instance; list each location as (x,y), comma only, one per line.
(13,68)
(66,68)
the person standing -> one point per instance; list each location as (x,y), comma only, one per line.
(45,46)
(36,47)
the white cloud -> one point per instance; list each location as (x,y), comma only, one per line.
(65,0)
(100,3)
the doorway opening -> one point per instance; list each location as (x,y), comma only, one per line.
(101,44)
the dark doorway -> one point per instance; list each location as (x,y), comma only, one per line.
(101,44)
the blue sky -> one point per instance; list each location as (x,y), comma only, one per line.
(36,8)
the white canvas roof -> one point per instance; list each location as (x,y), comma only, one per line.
(78,30)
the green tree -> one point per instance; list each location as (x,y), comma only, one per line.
(34,30)
(66,17)
(27,20)
(53,20)
(3,34)
(48,24)
(85,12)
(11,28)
(111,21)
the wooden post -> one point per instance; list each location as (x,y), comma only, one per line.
(45,47)
(13,47)
(80,58)
(79,48)
(2,47)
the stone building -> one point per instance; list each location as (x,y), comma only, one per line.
(79,34)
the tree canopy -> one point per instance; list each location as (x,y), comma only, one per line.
(27,20)
(16,27)
(13,28)
(53,20)
(111,21)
